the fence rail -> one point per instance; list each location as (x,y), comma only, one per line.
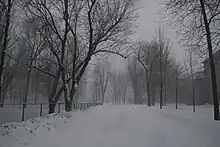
(41,106)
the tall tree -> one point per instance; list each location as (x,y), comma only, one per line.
(190,71)
(164,47)
(177,73)
(143,58)
(5,12)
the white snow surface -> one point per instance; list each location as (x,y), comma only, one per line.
(117,126)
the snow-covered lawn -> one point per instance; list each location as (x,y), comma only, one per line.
(118,126)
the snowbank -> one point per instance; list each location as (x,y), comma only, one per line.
(11,132)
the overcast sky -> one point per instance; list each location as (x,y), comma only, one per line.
(147,23)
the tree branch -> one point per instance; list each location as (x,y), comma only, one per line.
(111,52)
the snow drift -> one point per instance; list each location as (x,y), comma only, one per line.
(11,132)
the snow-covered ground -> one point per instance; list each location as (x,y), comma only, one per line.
(118,126)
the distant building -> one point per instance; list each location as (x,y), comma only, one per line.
(201,89)
(207,84)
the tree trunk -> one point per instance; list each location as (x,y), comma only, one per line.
(68,105)
(165,95)
(193,84)
(161,81)
(1,85)
(11,93)
(193,95)
(7,82)
(51,107)
(153,97)
(212,64)
(73,88)
(21,96)
(148,90)
(4,47)
(124,95)
(161,96)
(53,92)
(53,99)
(26,88)
(177,89)
(36,90)
(103,97)
(135,98)
(62,58)
(5,89)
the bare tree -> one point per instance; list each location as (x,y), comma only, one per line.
(93,26)
(177,73)
(164,47)
(102,77)
(136,74)
(197,20)
(190,71)
(143,58)
(119,82)
(95,89)
(116,91)
(35,45)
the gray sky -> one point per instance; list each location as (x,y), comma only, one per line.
(147,24)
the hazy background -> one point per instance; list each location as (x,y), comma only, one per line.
(151,18)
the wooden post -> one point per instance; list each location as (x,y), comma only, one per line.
(41,110)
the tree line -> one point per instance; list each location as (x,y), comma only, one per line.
(59,38)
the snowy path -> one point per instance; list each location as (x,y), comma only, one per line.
(129,126)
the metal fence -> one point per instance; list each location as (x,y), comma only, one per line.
(30,110)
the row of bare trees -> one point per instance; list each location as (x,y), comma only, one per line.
(107,78)
(197,22)
(152,62)
(59,38)
(152,74)
(155,75)
(101,74)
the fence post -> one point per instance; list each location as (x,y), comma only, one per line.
(41,110)
(59,107)
(22,116)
